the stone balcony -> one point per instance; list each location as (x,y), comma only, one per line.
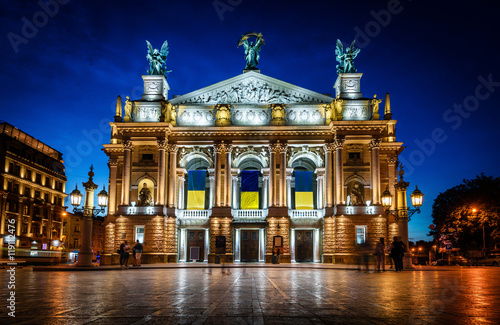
(193,214)
(249,215)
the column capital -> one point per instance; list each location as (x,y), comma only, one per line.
(219,147)
(113,162)
(211,177)
(338,143)
(329,147)
(278,147)
(265,178)
(234,178)
(172,148)
(162,143)
(375,143)
(392,160)
(127,144)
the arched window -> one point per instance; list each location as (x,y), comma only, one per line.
(306,184)
(196,164)
(247,165)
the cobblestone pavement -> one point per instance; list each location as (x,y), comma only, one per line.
(255,296)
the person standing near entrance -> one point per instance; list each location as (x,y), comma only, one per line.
(397,253)
(122,253)
(380,253)
(126,253)
(138,253)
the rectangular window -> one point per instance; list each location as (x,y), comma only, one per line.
(360,234)
(147,156)
(28,174)
(354,155)
(27,191)
(26,210)
(38,179)
(139,234)
(75,243)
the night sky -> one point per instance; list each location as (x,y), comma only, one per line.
(438,61)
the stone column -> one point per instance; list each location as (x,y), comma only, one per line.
(282,185)
(211,178)
(127,167)
(219,151)
(375,170)
(180,204)
(339,171)
(329,148)
(172,149)
(19,222)
(162,170)
(320,193)
(113,170)
(227,176)
(272,175)
(392,177)
(265,191)
(289,191)
(235,192)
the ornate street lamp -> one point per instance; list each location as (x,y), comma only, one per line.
(89,212)
(402,213)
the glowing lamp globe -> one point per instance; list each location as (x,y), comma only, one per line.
(386,199)
(417,198)
(76,197)
(102,198)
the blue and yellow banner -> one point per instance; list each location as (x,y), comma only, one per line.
(196,190)
(250,189)
(304,190)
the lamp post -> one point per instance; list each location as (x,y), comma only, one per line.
(402,213)
(474,211)
(89,212)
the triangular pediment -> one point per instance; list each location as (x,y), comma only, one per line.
(252,88)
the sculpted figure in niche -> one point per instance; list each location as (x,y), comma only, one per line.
(145,197)
(356,195)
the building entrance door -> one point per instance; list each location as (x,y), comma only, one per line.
(249,245)
(196,245)
(303,245)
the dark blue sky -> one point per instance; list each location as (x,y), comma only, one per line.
(438,61)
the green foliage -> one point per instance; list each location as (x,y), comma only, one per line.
(466,208)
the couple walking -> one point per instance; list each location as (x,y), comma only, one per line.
(124,252)
(396,251)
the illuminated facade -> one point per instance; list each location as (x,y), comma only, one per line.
(32,190)
(251,122)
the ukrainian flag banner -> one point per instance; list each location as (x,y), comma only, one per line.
(304,190)
(196,190)
(250,189)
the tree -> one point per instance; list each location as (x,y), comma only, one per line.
(461,212)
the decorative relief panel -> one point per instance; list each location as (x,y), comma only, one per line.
(358,110)
(315,154)
(241,153)
(147,112)
(250,116)
(252,91)
(305,116)
(185,154)
(196,117)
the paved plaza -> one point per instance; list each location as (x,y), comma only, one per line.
(435,295)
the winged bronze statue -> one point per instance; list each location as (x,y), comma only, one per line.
(251,50)
(346,64)
(157,59)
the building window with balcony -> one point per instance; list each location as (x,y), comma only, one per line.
(37,195)
(27,191)
(15,188)
(9,186)
(360,234)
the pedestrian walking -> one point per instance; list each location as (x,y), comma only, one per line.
(138,253)
(126,254)
(122,253)
(397,253)
(380,253)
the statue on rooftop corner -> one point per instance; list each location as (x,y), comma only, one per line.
(128,109)
(251,50)
(346,59)
(157,59)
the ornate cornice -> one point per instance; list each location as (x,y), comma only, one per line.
(278,147)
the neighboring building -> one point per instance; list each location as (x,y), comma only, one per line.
(72,236)
(32,190)
(249,166)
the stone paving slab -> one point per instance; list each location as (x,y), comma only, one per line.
(265,295)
